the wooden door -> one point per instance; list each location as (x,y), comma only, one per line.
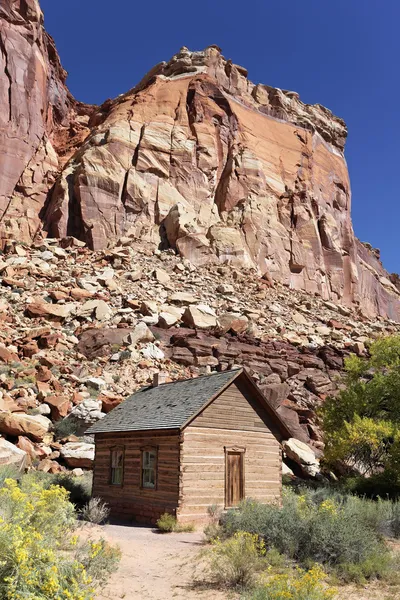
(234,478)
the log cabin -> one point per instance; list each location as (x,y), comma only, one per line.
(183,446)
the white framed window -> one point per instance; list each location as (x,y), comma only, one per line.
(149,468)
(117,466)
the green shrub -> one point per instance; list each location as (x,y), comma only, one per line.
(236,561)
(79,488)
(8,472)
(309,530)
(40,556)
(66,427)
(299,586)
(361,424)
(275,559)
(167,523)
(212,531)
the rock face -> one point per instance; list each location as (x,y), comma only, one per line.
(202,160)
(11,454)
(39,120)
(195,158)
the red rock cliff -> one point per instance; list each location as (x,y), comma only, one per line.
(196,157)
(37,117)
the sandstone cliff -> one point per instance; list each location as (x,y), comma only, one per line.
(195,158)
(199,159)
(39,119)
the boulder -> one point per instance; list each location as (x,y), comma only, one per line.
(7,356)
(162,276)
(33,426)
(303,455)
(95,343)
(109,402)
(276,393)
(85,414)
(182,298)
(78,454)
(11,455)
(95,308)
(48,465)
(200,316)
(34,451)
(152,351)
(232,321)
(49,311)
(169,316)
(140,334)
(59,406)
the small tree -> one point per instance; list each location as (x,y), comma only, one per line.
(362,424)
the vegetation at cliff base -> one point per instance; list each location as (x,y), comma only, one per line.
(41,555)
(362,424)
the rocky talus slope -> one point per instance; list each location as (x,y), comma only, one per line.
(195,223)
(195,158)
(82,329)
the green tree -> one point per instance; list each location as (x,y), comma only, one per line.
(362,424)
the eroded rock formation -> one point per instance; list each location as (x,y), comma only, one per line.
(40,122)
(195,157)
(202,160)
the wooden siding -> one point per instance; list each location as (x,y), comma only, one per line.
(232,420)
(236,408)
(131,501)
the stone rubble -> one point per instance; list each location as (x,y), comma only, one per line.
(67,359)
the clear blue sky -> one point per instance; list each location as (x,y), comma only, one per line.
(343,54)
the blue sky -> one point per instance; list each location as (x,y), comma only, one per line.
(343,54)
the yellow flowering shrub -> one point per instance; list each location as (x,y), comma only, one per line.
(235,561)
(302,585)
(40,558)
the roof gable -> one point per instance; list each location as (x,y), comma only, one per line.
(176,404)
(167,406)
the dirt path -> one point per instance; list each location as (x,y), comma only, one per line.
(156,566)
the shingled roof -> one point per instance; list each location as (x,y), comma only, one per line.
(167,406)
(172,405)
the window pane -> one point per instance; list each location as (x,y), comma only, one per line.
(117,476)
(149,462)
(117,466)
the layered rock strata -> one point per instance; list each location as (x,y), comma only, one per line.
(199,159)
(195,158)
(40,122)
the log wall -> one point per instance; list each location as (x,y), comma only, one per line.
(130,501)
(232,420)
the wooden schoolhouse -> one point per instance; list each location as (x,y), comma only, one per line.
(183,446)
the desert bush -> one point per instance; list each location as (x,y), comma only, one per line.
(212,531)
(95,511)
(302,585)
(8,472)
(307,530)
(41,558)
(234,562)
(65,427)
(79,488)
(167,523)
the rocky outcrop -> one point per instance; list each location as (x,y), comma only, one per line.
(40,122)
(199,159)
(195,157)
(81,330)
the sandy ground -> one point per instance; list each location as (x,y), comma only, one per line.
(157,566)
(166,566)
